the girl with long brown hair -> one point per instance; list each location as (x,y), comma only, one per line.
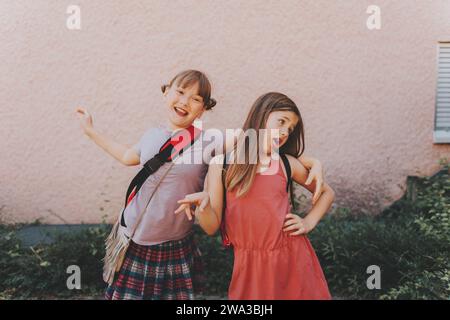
(273,258)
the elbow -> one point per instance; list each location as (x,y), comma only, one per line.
(128,163)
(123,161)
(330,193)
(130,158)
(211,231)
(209,222)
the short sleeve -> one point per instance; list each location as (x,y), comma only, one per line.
(217,160)
(138,146)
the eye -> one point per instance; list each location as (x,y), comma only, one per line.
(281,121)
(197,100)
(179,91)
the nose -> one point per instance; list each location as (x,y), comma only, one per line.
(183,100)
(283,132)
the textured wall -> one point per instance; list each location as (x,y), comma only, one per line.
(367,97)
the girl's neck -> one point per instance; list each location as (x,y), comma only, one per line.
(172,128)
(264,163)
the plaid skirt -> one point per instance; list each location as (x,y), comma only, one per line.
(168,271)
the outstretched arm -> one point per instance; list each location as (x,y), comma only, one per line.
(124,154)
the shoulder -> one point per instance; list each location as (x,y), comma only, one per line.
(295,164)
(298,172)
(217,160)
(155,135)
(213,138)
(155,130)
(148,132)
(291,159)
(215,170)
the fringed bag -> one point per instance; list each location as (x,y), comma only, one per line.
(117,242)
(116,246)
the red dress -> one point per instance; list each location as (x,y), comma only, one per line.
(268,263)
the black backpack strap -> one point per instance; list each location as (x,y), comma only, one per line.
(165,154)
(289,186)
(287,167)
(224,172)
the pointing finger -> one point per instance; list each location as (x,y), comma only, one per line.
(188,213)
(180,208)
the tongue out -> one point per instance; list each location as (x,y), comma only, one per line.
(180,112)
(277,142)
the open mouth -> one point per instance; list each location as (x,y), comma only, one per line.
(181,112)
(277,142)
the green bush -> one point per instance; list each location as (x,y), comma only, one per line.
(409,242)
(40,271)
(218,263)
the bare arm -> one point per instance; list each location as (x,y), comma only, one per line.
(124,154)
(209,202)
(210,221)
(308,162)
(315,175)
(320,208)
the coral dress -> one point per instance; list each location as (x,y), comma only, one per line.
(268,263)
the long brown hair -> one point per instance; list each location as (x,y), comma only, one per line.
(240,176)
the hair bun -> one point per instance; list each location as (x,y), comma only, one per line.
(211,103)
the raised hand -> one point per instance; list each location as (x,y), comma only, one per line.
(85,118)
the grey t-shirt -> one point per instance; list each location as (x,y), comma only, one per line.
(159,223)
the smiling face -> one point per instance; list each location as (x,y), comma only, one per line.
(284,122)
(184,105)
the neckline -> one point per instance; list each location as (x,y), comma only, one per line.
(167,128)
(271,163)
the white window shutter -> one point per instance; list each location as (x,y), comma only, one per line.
(442,111)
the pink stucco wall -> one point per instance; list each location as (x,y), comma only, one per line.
(367,97)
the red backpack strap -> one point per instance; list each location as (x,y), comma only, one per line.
(174,147)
